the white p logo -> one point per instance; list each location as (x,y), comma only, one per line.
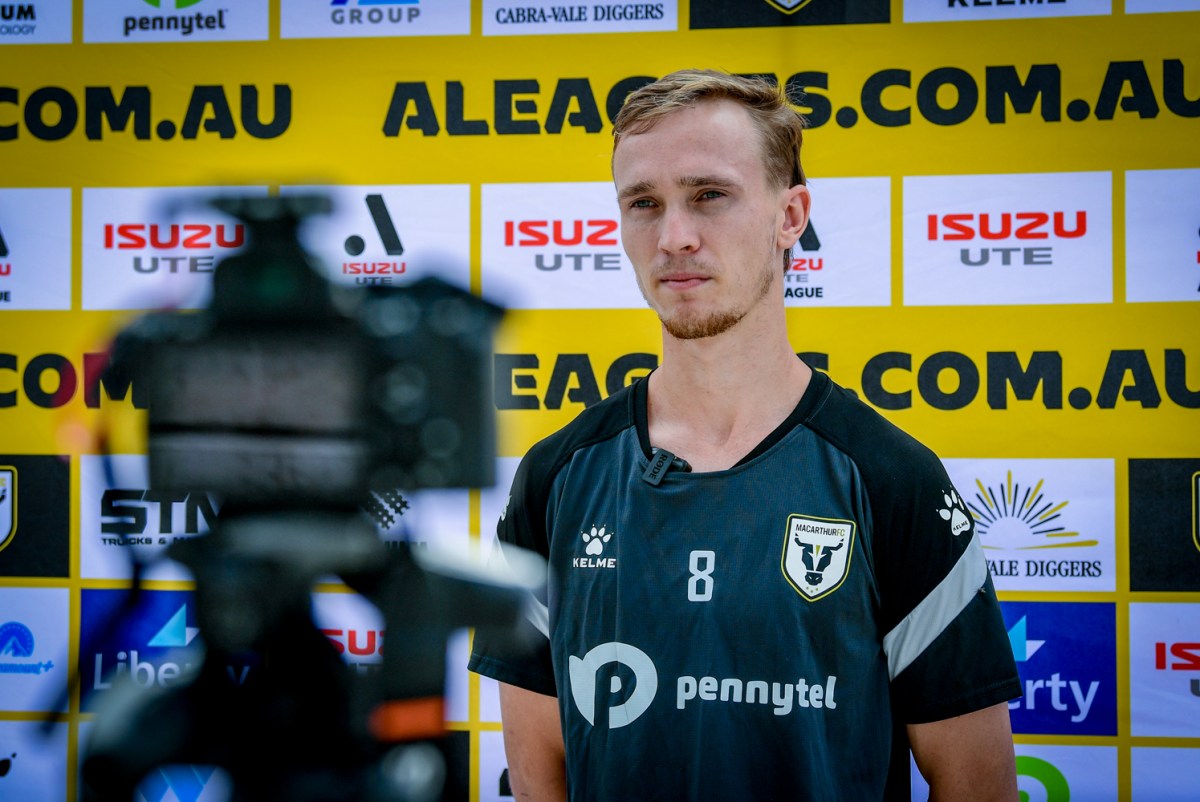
(583,682)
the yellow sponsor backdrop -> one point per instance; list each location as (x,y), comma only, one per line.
(341,92)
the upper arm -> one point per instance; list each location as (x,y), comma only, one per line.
(968,756)
(533,743)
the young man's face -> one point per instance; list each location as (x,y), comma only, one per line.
(701,223)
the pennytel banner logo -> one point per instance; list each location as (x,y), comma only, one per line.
(174,20)
(816,554)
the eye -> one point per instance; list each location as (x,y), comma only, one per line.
(641,203)
(711,194)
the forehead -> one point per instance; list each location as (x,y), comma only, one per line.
(714,136)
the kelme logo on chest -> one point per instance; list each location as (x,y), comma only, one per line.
(816,554)
(594,542)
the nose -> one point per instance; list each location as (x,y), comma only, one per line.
(678,232)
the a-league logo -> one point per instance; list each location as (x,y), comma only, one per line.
(583,671)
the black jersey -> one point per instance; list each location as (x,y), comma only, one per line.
(762,632)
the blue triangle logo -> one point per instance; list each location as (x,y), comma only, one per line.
(1022,647)
(175,633)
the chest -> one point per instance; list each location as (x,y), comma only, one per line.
(769,561)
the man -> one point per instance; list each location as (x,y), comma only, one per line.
(759,589)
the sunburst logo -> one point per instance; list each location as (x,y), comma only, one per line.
(1009,516)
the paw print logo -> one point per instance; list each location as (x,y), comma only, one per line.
(954,512)
(595,540)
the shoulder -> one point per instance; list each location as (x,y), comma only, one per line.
(884,454)
(596,424)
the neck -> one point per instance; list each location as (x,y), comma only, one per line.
(714,399)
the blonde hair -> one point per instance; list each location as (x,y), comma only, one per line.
(780,126)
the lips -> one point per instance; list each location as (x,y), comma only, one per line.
(682,282)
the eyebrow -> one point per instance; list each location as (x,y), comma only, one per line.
(684,181)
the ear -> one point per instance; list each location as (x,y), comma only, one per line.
(797,201)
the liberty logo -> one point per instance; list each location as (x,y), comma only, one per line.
(175,634)
(816,554)
(623,708)
(595,540)
(1022,647)
(8,505)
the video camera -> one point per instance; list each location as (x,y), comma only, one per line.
(295,401)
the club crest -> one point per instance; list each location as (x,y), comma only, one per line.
(8,505)
(788,6)
(816,554)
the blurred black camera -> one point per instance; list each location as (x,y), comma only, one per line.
(296,401)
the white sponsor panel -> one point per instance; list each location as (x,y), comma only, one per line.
(33,761)
(1164,774)
(35,249)
(1053,774)
(357,629)
(1044,524)
(121,520)
(1160,6)
(391,235)
(1162,235)
(1164,670)
(174,20)
(34,636)
(556,246)
(845,257)
(330,19)
(1008,239)
(36,23)
(494,784)
(155,247)
(424,517)
(524,17)
(965,10)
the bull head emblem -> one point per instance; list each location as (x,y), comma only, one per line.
(816,559)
